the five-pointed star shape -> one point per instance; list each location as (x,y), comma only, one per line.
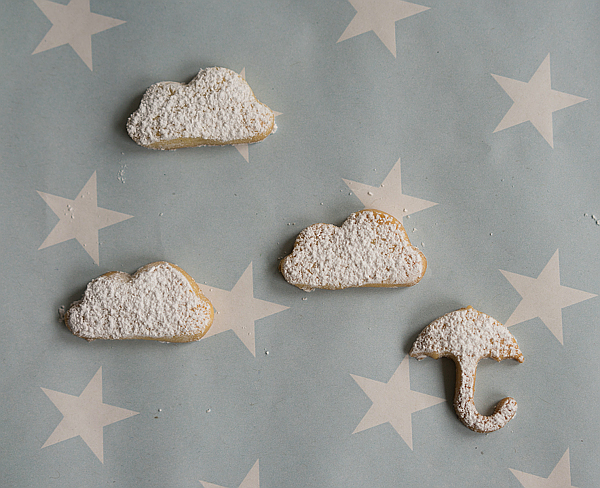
(388,197)
(380,16)
(250,481)
(73,24)
(80,219)
(534,101)
(243,148)
(544,297)
(238,309)
(85,415)
(393,402)
(559,478)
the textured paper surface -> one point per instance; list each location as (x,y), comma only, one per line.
(474,122)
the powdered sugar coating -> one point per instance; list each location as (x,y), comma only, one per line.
(216,107)
(466,336)
(371,248)
(158,302)
(466,333)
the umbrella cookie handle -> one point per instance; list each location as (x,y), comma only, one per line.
(464,403)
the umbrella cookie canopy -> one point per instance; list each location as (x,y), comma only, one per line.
(466,336)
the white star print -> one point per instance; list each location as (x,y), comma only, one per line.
(559,478)
(238,309)
(73,24)
(250,481)
(544,297)
(388,197)
(534,101)
(80,219)
(380,16)
(393,402)
(243,148)
(85,415)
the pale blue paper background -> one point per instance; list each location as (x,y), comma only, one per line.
(506,200)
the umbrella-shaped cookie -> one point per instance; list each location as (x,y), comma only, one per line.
(466,336)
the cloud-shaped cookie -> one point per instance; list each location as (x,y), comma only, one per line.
(371,248)
(159,302)
(217,107)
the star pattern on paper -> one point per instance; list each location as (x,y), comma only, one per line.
(243,148)
(237,309)
(559,478)
(250,481)
(544,297)
(394,402)
(388,197)
(380,16)
(85,416)
(534,101)
(73,24)
(80,219)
